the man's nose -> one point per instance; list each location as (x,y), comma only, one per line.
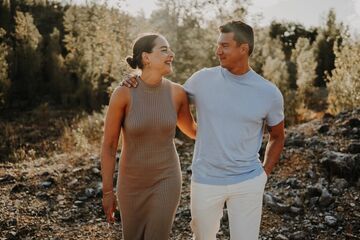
(218,51)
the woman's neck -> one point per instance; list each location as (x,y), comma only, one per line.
(151,77)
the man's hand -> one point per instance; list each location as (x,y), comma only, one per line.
(274,146)
(129,81)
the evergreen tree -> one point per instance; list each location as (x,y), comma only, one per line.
(28,60)
(4,67)
(344,83)
(96,40)
(329,37)
(275,69)
(59,84)
(5,15)
(304,57)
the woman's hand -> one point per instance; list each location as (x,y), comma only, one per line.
(109,206)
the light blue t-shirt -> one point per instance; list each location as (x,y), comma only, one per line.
(231,111)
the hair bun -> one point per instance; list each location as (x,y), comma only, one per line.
(131,62)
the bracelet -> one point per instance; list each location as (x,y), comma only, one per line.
(107,193)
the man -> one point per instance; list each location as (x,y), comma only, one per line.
(233,104)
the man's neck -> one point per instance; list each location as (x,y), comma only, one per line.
(240,70)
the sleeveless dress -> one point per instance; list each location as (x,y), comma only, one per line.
(149,177)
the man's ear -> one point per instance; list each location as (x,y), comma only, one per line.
(245,48)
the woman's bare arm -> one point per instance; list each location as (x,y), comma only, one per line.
(113,120)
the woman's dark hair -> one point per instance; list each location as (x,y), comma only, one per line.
(243,33)
(142,44)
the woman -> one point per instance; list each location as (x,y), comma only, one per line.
(149,179)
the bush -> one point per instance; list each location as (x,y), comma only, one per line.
(344,84)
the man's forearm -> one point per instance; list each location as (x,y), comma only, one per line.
(272,153)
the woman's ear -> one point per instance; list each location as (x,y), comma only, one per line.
(145,58)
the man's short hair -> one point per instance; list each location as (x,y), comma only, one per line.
(243,33)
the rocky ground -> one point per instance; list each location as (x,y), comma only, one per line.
(312,194)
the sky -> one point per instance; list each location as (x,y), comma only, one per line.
(307,12)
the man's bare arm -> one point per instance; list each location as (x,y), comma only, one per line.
(274,146)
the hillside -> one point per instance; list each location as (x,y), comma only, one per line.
(51,189)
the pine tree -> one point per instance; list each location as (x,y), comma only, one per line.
(96,40)
(28,60)
(328,37)
(5,15)
(344,82)
(304,57)
(4,67)
(275,69)
(59,84)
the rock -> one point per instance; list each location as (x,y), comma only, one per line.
(60,198)
(43,196)
(73,182)
(89,192)
(78,203)
(311,174)
(324,128)
(342,165)
(75,170)
(313,201)
(295,141)
(353,148)
(178,142)
(274,206)
(352,123)
(46,184)
(340,183)
(315,143)
(189,170)
(7,178)
(98,189)
(327,116)
(295,210)
(281,237)
(82,198)
(96,171)
(298,202)
(313,191)
(293,182)
(19,188)
(326,198)
(299,235)
(330,220)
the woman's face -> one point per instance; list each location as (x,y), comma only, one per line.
(161,57)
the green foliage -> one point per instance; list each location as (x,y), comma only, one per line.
(96,42)
(28,42)
(60,85)
(74,55)
(328,37)
(344,82)
(276,70)
(4,68)
(304,57)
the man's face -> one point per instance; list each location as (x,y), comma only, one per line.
(229,52)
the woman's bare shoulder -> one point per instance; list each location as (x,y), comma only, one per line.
(120,95)
(177,88)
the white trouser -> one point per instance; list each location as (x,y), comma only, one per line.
(244,206)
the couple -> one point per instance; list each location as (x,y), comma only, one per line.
(233,105)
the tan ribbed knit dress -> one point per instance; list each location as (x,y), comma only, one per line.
(149,180)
